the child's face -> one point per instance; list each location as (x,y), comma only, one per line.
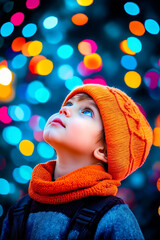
(82,123)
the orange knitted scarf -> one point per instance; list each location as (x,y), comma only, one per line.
(83,182)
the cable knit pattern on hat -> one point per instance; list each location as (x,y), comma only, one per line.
(127,132)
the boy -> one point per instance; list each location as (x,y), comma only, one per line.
(100,138)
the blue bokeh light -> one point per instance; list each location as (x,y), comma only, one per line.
(152,26)
(19,61)
(50,22)
(25,172)
(134,44)
(29,30)
(42,95)
(131,8)
(12,135)
(1,210)
(65,51)
(73,82)
(45,150)
(4,186)
(7,29)
(17,176)
(65,71)
(129,62)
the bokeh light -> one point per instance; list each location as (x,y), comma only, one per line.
(85,2)
(6,75)
(20,112)
(137,28)
(73,82)
(45,150)
(137,179)
(18,43)
(19,61)
(4,186)
(33,63)
(157,121)
(7,29)
(79,19)
(17,18)
(29,30)
(65,71)
(129,62)
(134,44)
(95,80)
(151,26)
(87,47)
(37,123)
(8,6)
(65,51)
(44,67)
(124,47)
(42,95)
(151,78)
(12,135)
(34,48)
(131,8)
(92,61)
(50,22)
(132,79)
(7,93)
(1,210)
(4,117)
(156,136)
(30,4)
(26,147)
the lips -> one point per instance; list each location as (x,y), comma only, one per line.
(58,120)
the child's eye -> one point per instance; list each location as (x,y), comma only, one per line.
(88,112)
(68,103)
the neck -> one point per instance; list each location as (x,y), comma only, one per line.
(66,163)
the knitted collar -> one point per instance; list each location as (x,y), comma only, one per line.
(83,182)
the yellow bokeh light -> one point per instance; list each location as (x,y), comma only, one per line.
(85,2)
(26,147)
(44,67)
(6,92)
(132,79)
(125,48)
(159,210)
(6,75)
(156,136)
(34,48)
(92,61)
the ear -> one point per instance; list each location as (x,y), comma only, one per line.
(101,154)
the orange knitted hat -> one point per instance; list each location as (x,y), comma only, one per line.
(127,132)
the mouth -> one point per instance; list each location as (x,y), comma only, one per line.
(59,121)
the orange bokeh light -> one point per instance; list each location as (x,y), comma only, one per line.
(18,43)
(79,19)
(137,28)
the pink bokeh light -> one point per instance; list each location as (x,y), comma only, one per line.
(4,117)
(17,18)
(31,4)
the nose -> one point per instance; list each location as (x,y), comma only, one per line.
(64,110)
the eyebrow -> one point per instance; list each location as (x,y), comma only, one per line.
(78,99)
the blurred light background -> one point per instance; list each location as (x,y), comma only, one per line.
(49,47)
